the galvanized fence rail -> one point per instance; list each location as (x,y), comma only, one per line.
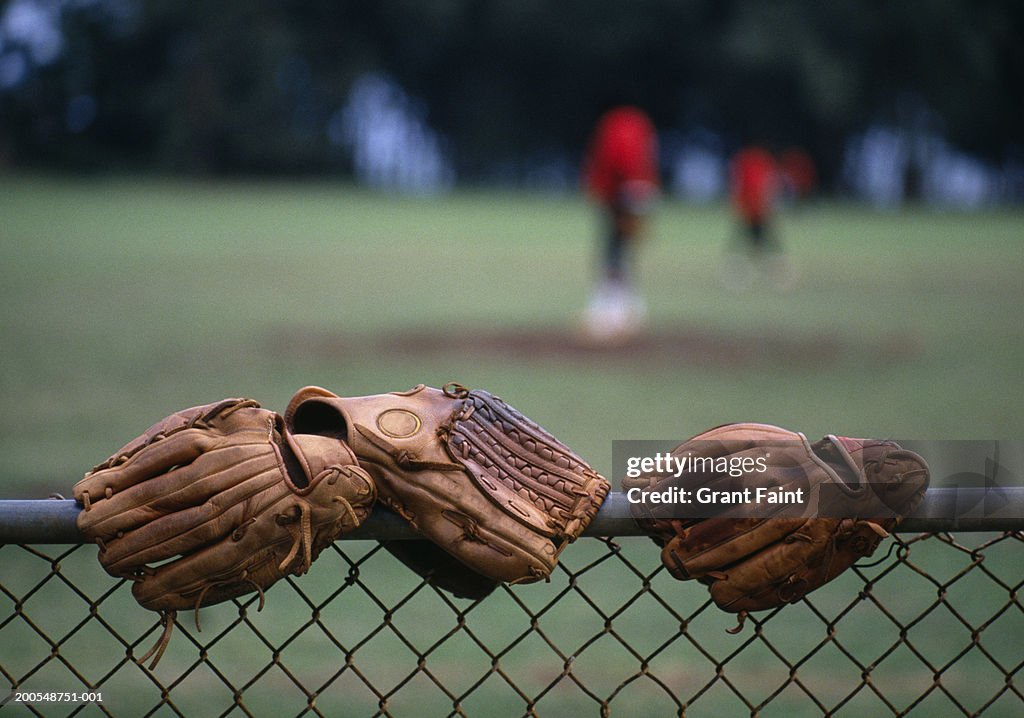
(933,626)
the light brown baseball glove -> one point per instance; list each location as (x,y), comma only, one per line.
(478,479)
(756,555)
(217,501)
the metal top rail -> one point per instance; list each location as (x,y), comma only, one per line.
(52,521)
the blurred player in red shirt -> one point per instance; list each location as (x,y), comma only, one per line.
(754,185)
(620,173)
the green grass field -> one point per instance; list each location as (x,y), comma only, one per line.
(123,300)
(126,299)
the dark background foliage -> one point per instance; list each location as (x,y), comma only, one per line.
(249,87)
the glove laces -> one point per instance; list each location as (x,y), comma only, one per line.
(302,541)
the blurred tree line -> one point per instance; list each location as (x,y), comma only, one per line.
(253,86)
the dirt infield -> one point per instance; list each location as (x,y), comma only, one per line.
(677,345)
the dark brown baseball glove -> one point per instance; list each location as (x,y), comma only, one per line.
(755,554)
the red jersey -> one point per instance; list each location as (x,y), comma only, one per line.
(623,151)
(754,183)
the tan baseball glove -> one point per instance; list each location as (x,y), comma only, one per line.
(487,486)
(217,501)
(756,554)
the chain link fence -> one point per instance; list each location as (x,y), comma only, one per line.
(933,627)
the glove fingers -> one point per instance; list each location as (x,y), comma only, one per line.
(184,531)
(156,459)
(717,543)
(778,574)
(182,488)
(281,536)
(218,567)
(775,576)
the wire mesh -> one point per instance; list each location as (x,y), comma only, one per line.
(934,628)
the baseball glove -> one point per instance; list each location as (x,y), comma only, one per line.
(755,554)
(482,482)
(217,501)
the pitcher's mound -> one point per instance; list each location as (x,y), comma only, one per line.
(680,346)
